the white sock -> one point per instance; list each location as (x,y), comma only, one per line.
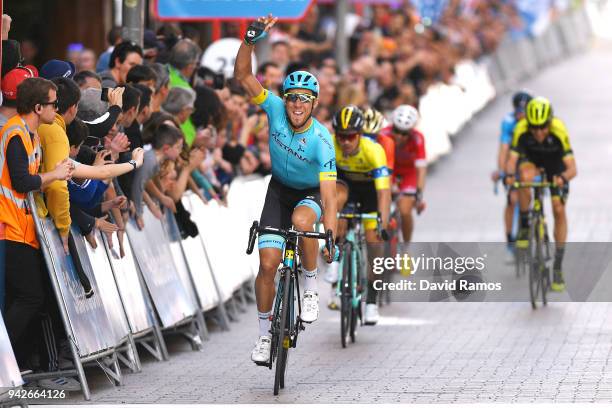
(310,280)
(264,323)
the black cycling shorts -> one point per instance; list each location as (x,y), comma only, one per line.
(278,209)
(362,193)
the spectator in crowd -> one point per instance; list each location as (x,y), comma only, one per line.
(56,68)
(162,86)
(270,76)
(166,145)
(73,52)
(99,115)
(280,54)
(86,60)
(24,265)
(113,38)
(134,131)
(257,156)
(88,79)
(10,82)
(29,52)
(151,46)
(182,64)
(11,55)
(142,74)
(131,103)
(55,148)
(144,113)
(124,57)
(180,104)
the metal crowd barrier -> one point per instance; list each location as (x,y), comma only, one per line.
(10,377)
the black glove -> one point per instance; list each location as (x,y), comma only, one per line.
(418,196)
(255,32)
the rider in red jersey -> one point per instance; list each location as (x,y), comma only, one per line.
(410,165)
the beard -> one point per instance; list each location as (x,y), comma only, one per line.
(296,125)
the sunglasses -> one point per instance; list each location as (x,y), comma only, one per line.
(349,137)
(54,103)
(538,127)
(294,97)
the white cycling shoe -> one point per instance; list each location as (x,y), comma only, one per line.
(310,306)
(371,314)
(261,351)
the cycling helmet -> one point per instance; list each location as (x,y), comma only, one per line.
(373,121)
(404,117)
(520,100)
(349,119)
(301,80)
(538,111)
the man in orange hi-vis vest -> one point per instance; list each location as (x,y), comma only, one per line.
(19,162)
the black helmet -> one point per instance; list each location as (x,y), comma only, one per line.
(349,119)
(520,100)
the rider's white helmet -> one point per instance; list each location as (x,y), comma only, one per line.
(404,117)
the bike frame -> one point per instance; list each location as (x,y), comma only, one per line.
(354,237)
(286,325)
(289,266)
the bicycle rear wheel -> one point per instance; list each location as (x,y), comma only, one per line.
(283,341)
(345,296)
(355,301)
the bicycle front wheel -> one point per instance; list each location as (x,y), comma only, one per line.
(535,279)
(345,295)
(284,341)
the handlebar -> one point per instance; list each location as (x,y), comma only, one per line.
(256,229)
(530,184)
(367,216)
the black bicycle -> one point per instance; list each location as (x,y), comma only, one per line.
(537,255)
(286,323)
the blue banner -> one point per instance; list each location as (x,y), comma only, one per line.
(230,9)
(430,9)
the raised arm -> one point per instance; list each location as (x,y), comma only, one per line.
(243,70)
(110,170)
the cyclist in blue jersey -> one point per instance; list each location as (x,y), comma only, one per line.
(519,102)
(303,185)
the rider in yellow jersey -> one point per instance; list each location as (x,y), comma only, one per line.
(363,177)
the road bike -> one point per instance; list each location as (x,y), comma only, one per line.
(286,323)
(351,275)
(537,256)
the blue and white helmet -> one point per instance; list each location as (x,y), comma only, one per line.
(301,80)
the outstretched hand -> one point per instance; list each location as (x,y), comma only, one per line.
(259,28)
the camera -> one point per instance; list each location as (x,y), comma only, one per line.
(211,78)
(104,95)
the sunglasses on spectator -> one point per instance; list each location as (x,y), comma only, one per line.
(349,137)
(54,103)
(539,127)
(294,97)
